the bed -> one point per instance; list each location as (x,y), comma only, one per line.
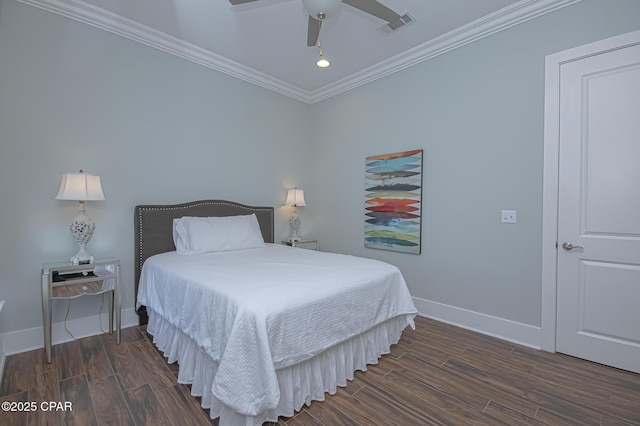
(259,330)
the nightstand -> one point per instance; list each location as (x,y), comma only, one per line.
(66,281)
(306,244)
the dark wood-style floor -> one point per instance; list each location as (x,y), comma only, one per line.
(437,374)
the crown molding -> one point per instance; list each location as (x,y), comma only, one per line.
(503,19)
(515,14)
(84,12)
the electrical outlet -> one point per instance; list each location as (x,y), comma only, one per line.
(508,216)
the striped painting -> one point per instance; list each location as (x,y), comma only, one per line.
(393,201)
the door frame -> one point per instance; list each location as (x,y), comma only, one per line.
(550,185)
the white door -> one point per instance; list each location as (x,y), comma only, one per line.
(598,280)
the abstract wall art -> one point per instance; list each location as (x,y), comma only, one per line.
(393,201)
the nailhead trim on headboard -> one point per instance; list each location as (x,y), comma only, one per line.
(218,208)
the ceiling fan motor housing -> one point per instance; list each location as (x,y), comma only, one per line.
(321,9)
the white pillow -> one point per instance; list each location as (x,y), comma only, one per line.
(197,235)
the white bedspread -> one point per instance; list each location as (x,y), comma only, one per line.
(255,311)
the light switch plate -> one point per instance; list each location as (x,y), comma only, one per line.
(508,216)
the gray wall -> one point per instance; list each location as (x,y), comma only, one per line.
(478,114)
(158,129)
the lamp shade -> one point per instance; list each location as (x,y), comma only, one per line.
(80,186)
(295,197)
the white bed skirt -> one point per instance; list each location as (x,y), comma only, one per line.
(299,384)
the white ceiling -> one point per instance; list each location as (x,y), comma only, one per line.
(264,42)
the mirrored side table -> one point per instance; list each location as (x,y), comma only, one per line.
(63,280)
(306,244)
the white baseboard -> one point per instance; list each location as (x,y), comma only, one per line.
(2,355)
(19,341)
(522,334)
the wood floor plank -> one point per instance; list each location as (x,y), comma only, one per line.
(494,387)
(513,392)
(437,374)
(43,388)
(173,367)
(196,400)
(498,361)
(428,352)
(123,365)
(567,397)
(17,373)
(561,417)
(385,365)
(552,399)
(439,341)
(40,361)
(626,408)
(68,359)
(552,406)
(386,411)
(354,408)
(445,381)
(353,386)
(507,380)
(327,414)
(408,336)
(436,406)
(145,407)
(11,416)
(152,366)
(583,392)
(95,358)
(607,379)
(76,391)
(304,419)
(608,421)
(470,338)
(509,416)
(108,402)
(526,387)
(180,408)
(128,335)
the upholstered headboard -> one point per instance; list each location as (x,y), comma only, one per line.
(154,227)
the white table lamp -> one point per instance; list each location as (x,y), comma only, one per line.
(295,198)
(81,187)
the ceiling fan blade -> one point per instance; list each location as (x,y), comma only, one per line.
(235,2)
(314,31)
(372,7)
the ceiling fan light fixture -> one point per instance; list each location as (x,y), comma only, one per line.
(322,62)
(321,9)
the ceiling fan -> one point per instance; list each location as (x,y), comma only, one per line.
(321,9)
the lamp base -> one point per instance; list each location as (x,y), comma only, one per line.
(82,230)
(82,257)
(294,221)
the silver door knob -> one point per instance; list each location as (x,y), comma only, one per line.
(569,246)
